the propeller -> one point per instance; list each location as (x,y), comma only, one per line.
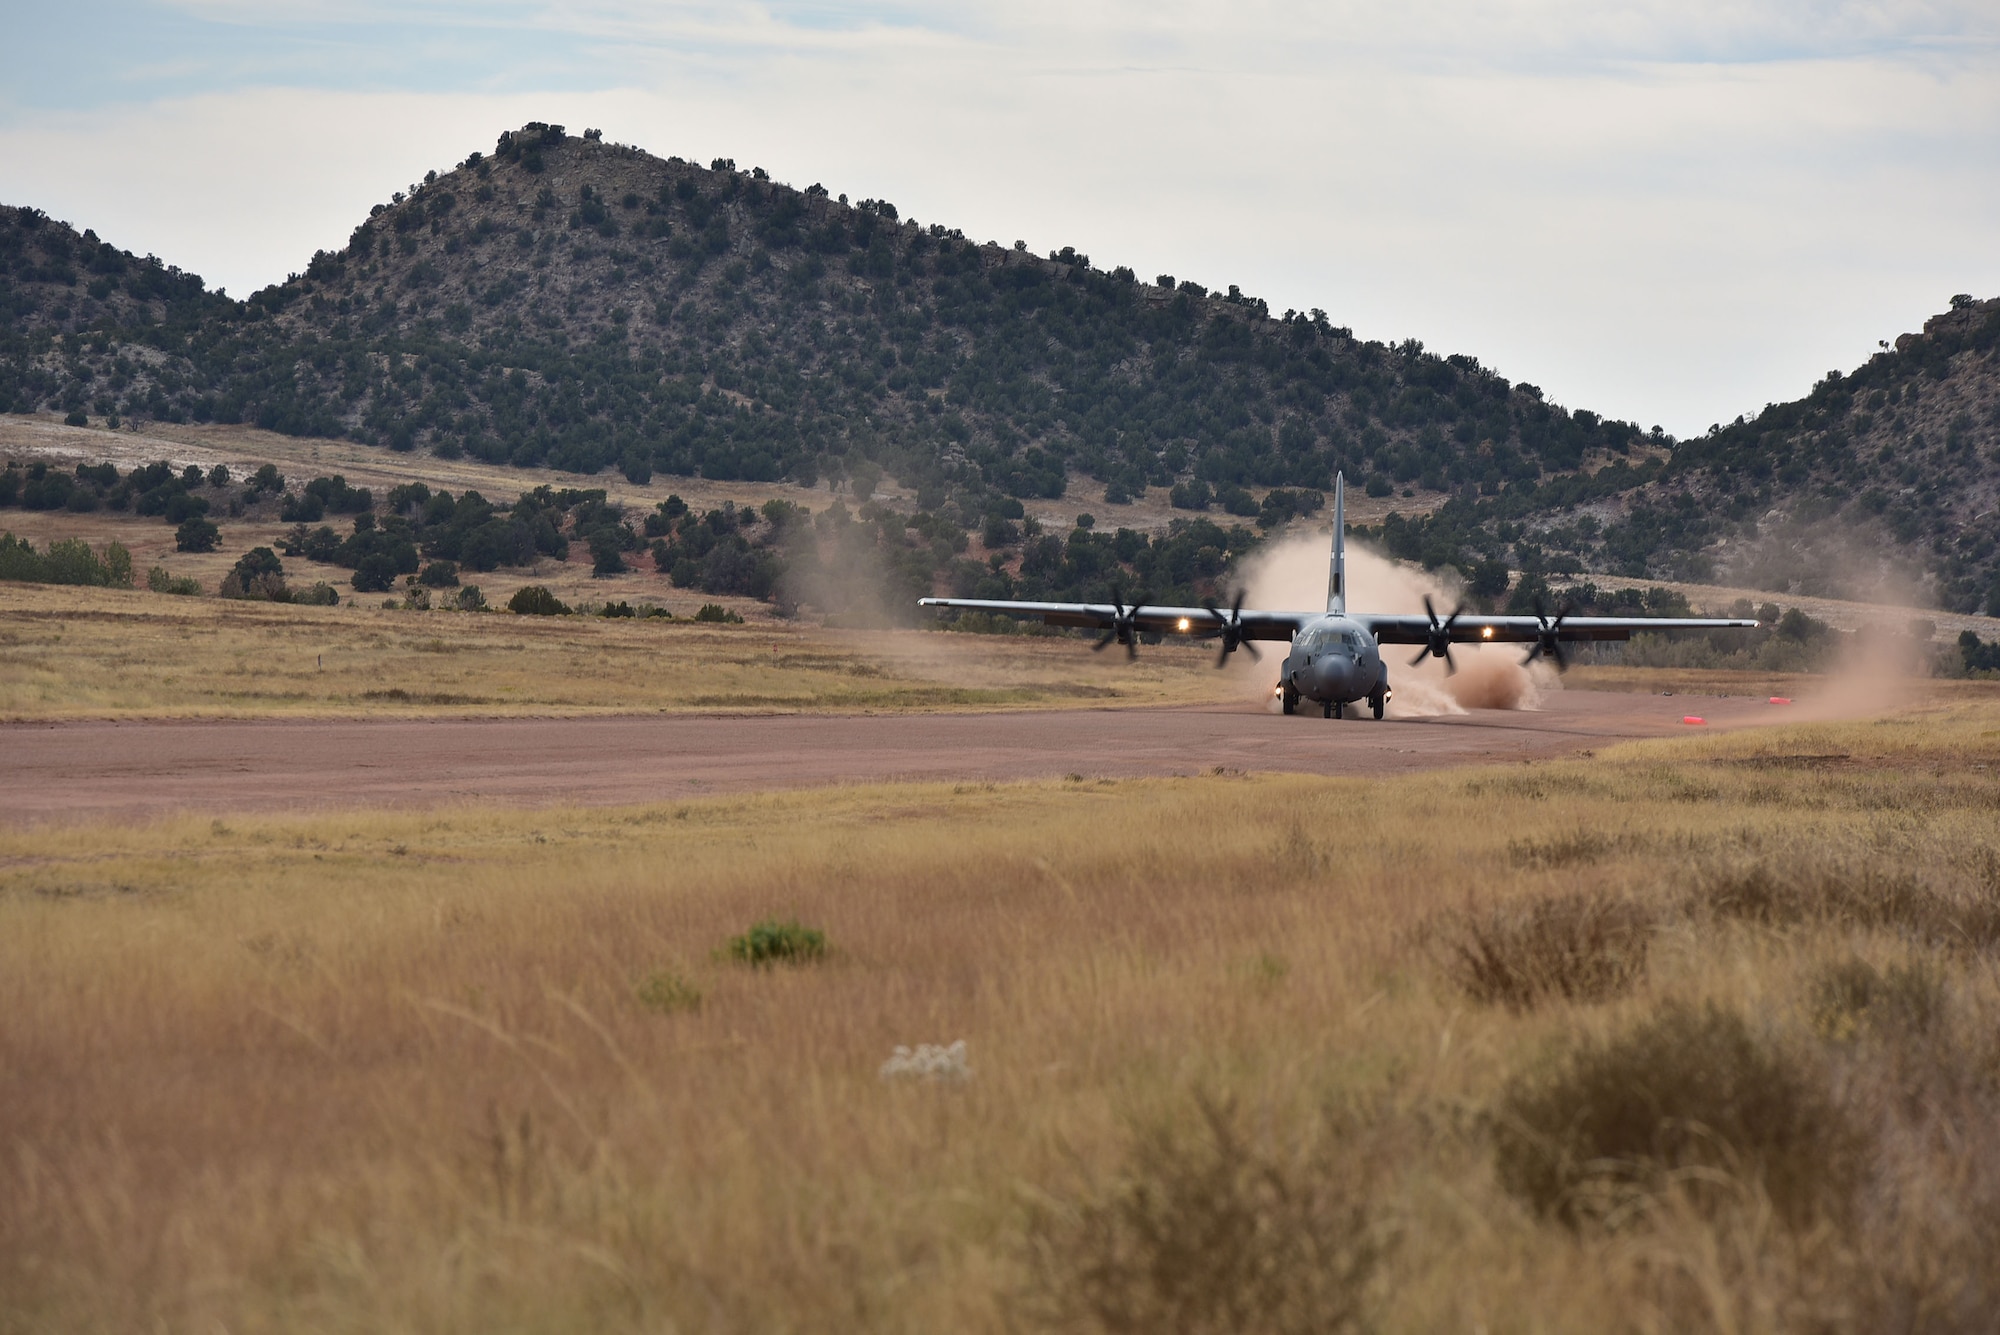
(1233,636)
(1124,625)
(1548,638)
(1438,637)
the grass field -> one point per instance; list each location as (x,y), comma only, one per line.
(1687,1035)
(69,652)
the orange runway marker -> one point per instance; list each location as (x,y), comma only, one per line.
(1780,700)
(1693,718)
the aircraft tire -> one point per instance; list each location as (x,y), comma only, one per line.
(1291,700)
(1377,703)
(1334,709)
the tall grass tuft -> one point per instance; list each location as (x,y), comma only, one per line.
(1853,998)
(1863,893)
(1690,1098)
(1587,946)
(1206,1232)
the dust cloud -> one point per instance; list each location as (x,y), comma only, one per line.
(1290,575)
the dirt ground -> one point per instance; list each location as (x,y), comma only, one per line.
(73,771)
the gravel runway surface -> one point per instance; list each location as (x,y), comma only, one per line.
(127,770)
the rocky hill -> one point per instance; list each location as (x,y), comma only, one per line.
(563,301)
(1882,483)
(573,302)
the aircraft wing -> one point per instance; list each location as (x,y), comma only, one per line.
(1191,621)
(1527,629)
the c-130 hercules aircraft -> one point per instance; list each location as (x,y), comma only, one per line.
(1335,658)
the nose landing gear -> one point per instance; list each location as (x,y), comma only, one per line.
(1290,696)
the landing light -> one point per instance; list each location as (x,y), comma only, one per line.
(1182,624)
(1488,632)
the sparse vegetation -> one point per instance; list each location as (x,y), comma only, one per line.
(432,1063)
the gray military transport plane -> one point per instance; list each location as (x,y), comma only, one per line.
(1335,658)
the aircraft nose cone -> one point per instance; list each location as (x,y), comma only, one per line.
(1330,674)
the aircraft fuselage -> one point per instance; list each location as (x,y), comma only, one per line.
(1333,660)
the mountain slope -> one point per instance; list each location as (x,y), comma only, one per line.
(574,302)
(569,302)
(1881,483)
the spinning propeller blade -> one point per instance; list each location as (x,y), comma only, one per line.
(1233,637)
(1438,637)
(1548,638)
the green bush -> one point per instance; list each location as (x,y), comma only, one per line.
(774,942)
(716,612)
(197,535)
(181,586)
(532,600)
(470,599)
(667,992)
(257,576)
(440,575)
(67,561)
(321,594)
(1690,1096)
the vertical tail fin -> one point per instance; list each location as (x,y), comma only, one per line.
(1336,583)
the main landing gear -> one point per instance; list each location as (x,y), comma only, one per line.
(1377,703)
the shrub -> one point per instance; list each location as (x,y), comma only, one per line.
(440,575)
(1853,997)
(1801,889)
(1208,1230)
(667,992)
(375,574)
(1690,1095)
(470,599)
(774,942)
(180,586)
(67,561)
(197,535)
(620,609)
(532,600)
(716,612)
(258,575)
(1580,947)
(321,594)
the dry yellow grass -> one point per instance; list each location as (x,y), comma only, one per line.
(397,1071)
(106,653)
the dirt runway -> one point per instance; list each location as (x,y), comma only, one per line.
(80,771)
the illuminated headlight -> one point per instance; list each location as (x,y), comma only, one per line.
(1182,624)
(1488,632)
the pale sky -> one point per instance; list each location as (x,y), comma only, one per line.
(1671,211)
